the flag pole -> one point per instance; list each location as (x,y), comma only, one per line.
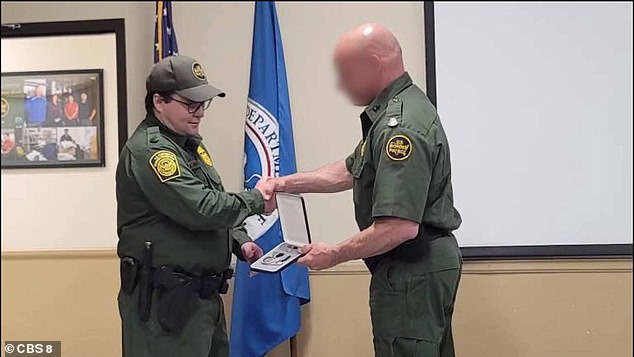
(293,343)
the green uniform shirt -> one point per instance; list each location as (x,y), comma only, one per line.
(401,167)
(168,192)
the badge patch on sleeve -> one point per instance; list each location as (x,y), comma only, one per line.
(399,147)
(165,165)
(204,156)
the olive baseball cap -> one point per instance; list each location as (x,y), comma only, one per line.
(182,75)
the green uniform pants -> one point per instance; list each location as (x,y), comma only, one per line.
(411,303)
(204,335)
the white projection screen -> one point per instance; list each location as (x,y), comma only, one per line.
(536,100)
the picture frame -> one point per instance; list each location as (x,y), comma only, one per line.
(53,119)
(70,29)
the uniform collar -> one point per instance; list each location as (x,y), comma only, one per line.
(183,141)
(378,105)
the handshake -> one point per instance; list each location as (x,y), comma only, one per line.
(267,187)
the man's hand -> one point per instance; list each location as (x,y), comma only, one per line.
(266,186)
(251,252)
(279,183)
(328,178)
(318,256)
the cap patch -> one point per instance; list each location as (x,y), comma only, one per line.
(165,165)
(399,147)
(198,71)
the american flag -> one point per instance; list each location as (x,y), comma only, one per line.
(164,35)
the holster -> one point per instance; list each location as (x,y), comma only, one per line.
(177,292)
(175,298)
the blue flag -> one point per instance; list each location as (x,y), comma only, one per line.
(164,35)
(266,307)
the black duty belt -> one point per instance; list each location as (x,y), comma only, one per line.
(207,286)
(411,251)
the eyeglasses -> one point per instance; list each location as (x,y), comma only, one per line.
(193,107)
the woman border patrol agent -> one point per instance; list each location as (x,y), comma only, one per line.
(177,225)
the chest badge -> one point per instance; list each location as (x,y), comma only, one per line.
(392,122)
(165,165)
(204,156)
(399,147)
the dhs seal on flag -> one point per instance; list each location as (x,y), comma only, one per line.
(262,158)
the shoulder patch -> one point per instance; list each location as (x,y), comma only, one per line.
(204,155)
(165,165)
(399,147)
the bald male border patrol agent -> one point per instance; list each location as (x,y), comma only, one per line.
(176,223)
(404,153)
(400,174)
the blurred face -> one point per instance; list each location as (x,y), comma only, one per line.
(39,91)
(84,97)
(71,99)
(54,99)
(175,114)
(357,75)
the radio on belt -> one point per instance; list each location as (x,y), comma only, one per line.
(293,219)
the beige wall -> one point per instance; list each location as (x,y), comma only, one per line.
(536,308)
(553,308)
